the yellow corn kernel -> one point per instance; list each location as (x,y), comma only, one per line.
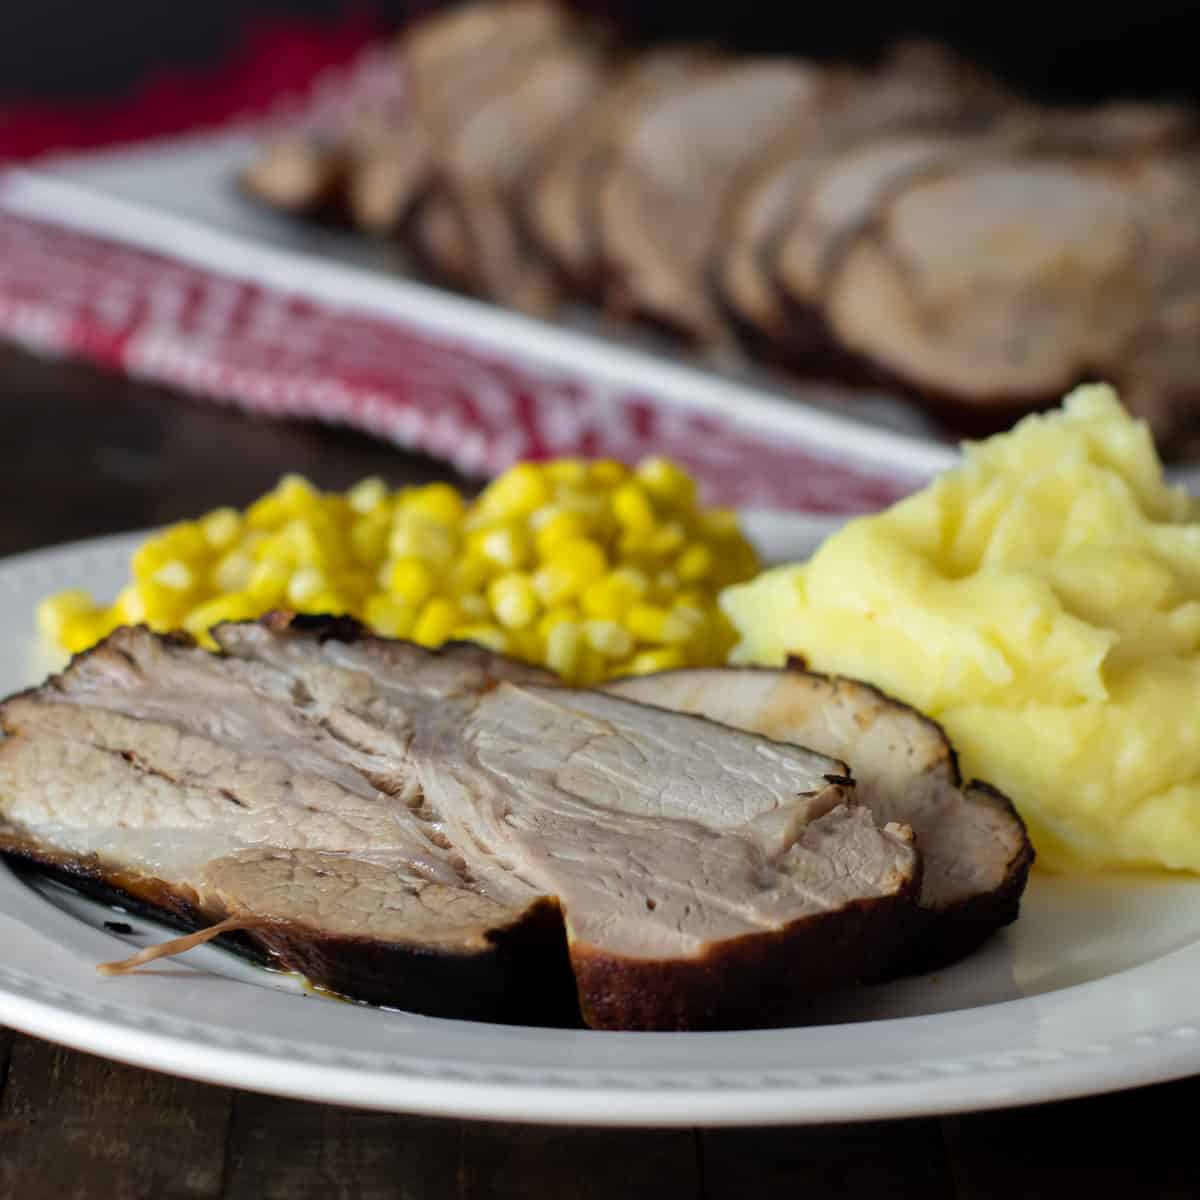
(56,611)
(221,527)
(614,594)
(327,602)
(720,524)
(666,584)
(176,575)
(367,495)
(526,645)
(513,600)
(437,620)
(437,501)
(292,495)
(592,507)
(129,608)
(632,508)
(648,662)
(582,557)
(564,612)
(516,493)
(317,539)
(667,482)
(564,642)
(183,542)
(268,583)
(354,585)
(415,535)
(608,638)
(411,580)
(608,472)
(473,606)
(468,575)
(232,572)
(305,583)
(591,667)
(236,606)
(505,546)
(369,537)
(555,525)
(653,623)
(164,607)
(389,616)
(85,630)
(570,471)
(484,634)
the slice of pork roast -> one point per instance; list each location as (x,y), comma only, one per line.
(485,162)
(562,207)
(420,828)
(975,850)
(999,282)
(662,202)
(920,87)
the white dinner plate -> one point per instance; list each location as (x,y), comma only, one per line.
(1096,987)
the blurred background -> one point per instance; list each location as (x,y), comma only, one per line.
(63,49)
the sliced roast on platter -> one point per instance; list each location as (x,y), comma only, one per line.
(973,844)
(1001,281)
(921,90)
(452,833)
(562,206)
(678,163)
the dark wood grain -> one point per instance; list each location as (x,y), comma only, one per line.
(87,453)
(510,1162)
(1130,1144)
(896,1160)
(82,1128)
(282,1149)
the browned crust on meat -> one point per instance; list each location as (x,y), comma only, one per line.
(760,980)
(522,974)
(937,935)
(945,934)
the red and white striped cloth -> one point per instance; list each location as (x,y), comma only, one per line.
(271,352)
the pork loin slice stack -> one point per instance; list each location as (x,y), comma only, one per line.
(452,833)
(923,95)
(679,161)
(974,846)
(1003,281)
(562,207)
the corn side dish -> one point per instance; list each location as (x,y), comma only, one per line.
(592,569)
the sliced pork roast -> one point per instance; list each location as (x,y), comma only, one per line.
(562,207)
(920,89)
(485,162)
(420,829)
(974,846)
(662,202)
(1002,281)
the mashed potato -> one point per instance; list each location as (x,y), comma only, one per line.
(1042,601)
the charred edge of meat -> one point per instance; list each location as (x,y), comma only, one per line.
(935,937)
(1017,870)
(805,346)
(147,898)
(963,927)
(757,981)
(524,976)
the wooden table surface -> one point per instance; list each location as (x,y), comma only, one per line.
(87,454)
